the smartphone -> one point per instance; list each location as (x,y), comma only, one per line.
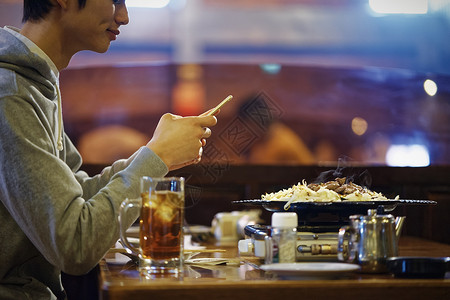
(215,109)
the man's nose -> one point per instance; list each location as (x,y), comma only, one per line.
(121,14)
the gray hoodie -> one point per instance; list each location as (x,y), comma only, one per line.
(53,217)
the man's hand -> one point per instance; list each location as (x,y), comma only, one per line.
(178,141)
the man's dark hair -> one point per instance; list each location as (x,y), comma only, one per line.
(34,10)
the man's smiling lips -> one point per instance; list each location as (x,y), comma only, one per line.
(113,33)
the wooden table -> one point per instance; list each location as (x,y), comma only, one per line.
(247,282)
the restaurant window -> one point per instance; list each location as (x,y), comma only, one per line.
(338,82)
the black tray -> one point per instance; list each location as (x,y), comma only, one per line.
(388,205)
(314,211)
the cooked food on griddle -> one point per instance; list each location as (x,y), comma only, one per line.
(331,191)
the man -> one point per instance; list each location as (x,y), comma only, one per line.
(53,217)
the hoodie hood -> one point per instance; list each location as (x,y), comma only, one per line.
(17,57)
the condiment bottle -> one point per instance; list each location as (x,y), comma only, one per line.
(283,240)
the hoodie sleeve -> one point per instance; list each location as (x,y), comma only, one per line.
(72,219)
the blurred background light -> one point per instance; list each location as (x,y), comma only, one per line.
(399,6)
(359,126)
(408,156)
(147,3)
(271,68)
(430,87)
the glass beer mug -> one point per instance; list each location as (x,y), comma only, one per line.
(160,226)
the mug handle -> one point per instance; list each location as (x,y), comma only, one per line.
(346,233)
(124,223)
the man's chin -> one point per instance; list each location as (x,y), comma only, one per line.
(102,49)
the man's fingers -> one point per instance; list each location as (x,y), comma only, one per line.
(206,132)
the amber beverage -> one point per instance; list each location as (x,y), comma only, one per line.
(161,208)
(161,233)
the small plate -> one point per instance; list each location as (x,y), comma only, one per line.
(311,270)
(419,267)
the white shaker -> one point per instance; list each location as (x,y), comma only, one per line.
(283,241)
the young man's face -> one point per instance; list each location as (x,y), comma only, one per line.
(94,26)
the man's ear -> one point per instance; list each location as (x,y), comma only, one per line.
(62,3)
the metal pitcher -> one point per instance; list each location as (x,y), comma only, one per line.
(370,240)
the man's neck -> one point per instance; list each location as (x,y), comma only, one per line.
(47,35)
